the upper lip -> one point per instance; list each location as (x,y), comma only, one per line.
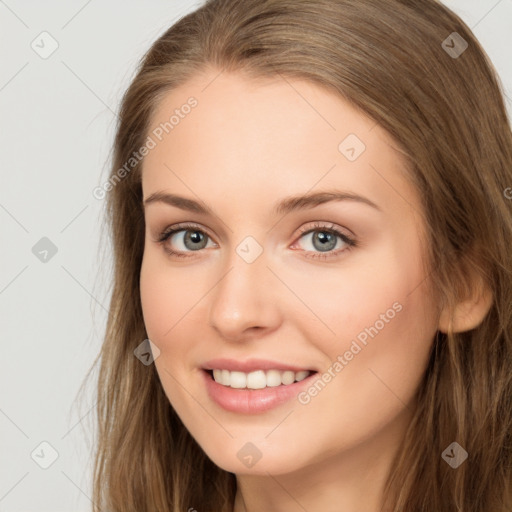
(250,365)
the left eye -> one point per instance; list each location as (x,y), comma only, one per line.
(323,240)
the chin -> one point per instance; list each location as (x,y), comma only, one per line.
(275,463)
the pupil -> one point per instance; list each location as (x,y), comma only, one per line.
(195,237)
(324,238)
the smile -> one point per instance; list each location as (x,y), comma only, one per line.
(258,379)
(254,400)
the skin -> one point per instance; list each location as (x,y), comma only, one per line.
(247,145)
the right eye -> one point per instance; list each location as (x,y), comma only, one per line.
(190,237)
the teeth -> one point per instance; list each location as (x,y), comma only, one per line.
(258,379)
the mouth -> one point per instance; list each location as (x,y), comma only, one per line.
(258,379)
(255,392)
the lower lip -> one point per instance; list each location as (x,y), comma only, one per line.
(252,401)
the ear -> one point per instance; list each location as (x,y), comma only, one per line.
(469,312)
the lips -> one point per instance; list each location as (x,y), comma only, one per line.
(251,365)
(251,401)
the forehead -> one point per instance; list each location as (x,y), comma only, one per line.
(246,138)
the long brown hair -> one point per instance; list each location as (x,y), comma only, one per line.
(446,112)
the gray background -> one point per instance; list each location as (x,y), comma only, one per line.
(57,124)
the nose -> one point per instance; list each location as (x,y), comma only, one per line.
(245,301)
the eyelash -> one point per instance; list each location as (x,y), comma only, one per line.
(351,242)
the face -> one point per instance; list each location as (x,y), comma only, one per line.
(334,285)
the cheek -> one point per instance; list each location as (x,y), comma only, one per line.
(376,315)
(167,307)
(167,295)
(385,329)
(374,288)
(155,298)
(375,363)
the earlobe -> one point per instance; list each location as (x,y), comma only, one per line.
(468,313)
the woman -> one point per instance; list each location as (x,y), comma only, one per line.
(342,338)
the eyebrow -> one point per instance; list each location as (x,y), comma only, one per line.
(287,205)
